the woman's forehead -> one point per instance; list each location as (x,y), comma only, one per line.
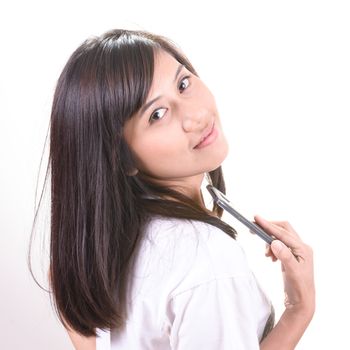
(164,62)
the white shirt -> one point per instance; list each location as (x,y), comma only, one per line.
(191,289)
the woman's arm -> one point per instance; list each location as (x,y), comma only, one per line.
(288,330)
(299,287)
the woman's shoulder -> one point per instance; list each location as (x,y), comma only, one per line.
(193,251)
(163,229)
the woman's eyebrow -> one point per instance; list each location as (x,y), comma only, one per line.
(148,104)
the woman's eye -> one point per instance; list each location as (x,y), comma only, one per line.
(157,114)
(184,83)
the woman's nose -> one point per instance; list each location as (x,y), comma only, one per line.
(197,120)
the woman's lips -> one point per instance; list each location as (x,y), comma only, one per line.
(209,139)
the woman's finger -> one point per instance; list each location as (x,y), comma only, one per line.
(282,253)
(269,253)
(286,225)
(280,233)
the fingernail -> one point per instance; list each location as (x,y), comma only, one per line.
(261,218)
(277,245)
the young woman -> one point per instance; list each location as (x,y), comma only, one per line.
(137,259)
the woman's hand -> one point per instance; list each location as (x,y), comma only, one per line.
(298,274)
(297,265)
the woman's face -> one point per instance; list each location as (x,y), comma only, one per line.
(179,111)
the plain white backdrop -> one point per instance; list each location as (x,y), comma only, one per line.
(281,76)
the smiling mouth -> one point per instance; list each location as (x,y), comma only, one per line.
(208,138)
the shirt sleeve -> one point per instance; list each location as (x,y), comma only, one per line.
(219,314)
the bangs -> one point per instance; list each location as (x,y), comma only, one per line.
(129,71)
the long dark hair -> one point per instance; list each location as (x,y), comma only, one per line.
(98,211)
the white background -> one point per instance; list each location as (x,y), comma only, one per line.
(281,76)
